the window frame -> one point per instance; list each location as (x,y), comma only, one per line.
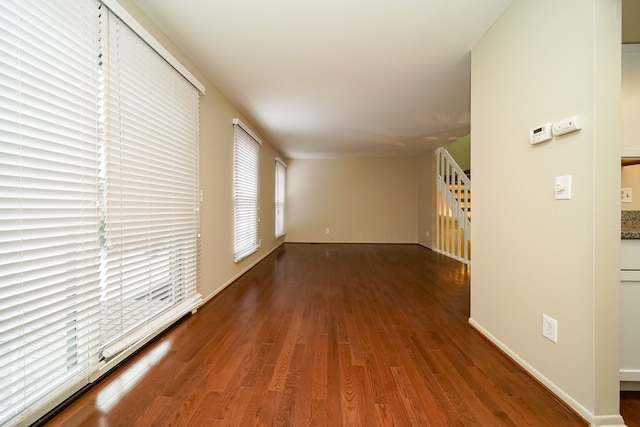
(246,191)
(150,175)
(280,197)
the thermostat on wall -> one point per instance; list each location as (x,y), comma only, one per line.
(540,134)
(571,124)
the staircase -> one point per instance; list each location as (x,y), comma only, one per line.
(453,228)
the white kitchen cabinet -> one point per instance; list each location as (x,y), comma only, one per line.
(630,314)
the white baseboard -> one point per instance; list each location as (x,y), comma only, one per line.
(599,421)
(629,374)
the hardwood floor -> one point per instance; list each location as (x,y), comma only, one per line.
(326,335)
(630,407)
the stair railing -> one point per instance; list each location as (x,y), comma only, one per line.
(453,229)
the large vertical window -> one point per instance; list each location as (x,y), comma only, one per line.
(281,177)
(98,198)
(246,214)
(48,195)
(150,179)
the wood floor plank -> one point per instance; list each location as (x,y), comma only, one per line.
(327,335)
(268,410)
(484,411)
(302,414)
(287,405)
(334,392)
(318,414)
(252,412)
(384,418)
(355,343)
(378,384)
(630,407)
(319,373)
(287,349)
(462,407)
(413,407)
(76,415)
(351,406)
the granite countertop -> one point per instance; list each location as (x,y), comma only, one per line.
(630,224)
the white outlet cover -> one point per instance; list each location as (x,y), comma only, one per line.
(626,195)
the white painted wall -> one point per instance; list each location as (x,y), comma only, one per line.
(543,61)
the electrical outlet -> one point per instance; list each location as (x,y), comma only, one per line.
(626,195)
(327,231)
(550,328)
(427,234)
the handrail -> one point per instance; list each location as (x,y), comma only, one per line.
(453,228)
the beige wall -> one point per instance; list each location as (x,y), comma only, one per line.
(543,61)
(427,200)
(217,268)
(631,100)
(358,200)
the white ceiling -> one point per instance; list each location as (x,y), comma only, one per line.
(337,78)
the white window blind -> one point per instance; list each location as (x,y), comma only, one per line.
(150,182)
(98,199)
(246,157)
(48,193)
(281,177)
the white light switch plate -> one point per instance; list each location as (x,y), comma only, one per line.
(550,328)
(563,187)
(626,195)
